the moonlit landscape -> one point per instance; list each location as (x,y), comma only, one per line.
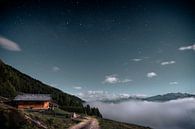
(131,61)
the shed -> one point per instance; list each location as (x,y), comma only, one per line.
(33,101)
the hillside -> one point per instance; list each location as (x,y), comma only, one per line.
(110,124)
(11,118)
(169,96)
(13,82)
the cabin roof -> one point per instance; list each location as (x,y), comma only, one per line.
(33,97)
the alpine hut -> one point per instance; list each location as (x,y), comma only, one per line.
(33,101)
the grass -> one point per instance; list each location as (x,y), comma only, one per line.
(57,119)
(12,118)
(110,124)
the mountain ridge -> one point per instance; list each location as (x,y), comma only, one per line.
(156,98)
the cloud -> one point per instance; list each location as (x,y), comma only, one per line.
(113,79)
(53,84)
(80,94)
(151,75)
(55,68)
(175,114)
(9,45)
(168,62)
(183,48)
(125,80)
(136,59)
(93,95)
(124,95)
(173,83)
(77,88)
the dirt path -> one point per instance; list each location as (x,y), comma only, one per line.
(88,123)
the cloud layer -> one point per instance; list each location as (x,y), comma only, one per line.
(9,45)
(176,114)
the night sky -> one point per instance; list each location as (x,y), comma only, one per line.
(102,47)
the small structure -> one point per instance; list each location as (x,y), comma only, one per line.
(74,115)
(33,101)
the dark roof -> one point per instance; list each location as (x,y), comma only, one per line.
(3,99)
(33,97)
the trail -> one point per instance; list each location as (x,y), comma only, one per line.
(88,123)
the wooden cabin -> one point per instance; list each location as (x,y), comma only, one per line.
(33,101)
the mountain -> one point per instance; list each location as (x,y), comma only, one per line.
(122,99)
(169,96)
(13,82)
(157,98)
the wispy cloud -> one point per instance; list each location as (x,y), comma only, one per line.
(137,59)
(191,47)
(173,83)
(9,45)
(93,95)
(55,68)
(54,84)
(151,75)
(77,87)
(167,62)
(125,80)
(113,79)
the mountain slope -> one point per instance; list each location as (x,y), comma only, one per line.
(13,81)
(110,124)
(169,96)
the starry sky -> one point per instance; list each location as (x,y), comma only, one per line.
(102,48)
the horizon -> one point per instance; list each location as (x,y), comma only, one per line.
(99,48)
(115,97)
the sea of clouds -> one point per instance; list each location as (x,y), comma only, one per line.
(175,114)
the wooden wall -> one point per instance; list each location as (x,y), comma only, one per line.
(33,105)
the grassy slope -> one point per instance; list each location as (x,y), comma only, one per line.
(110,124)
(11,118)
